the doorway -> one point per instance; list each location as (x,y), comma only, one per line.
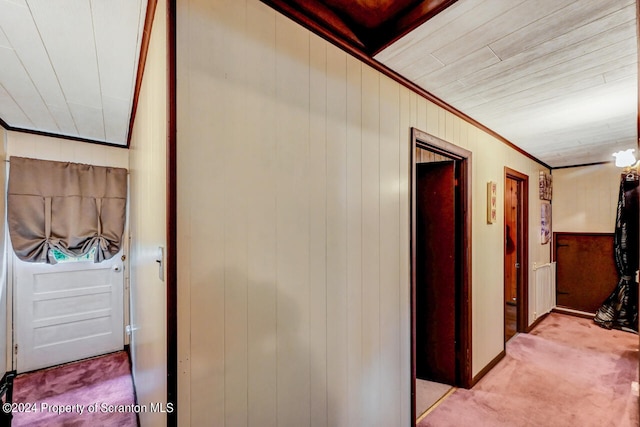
(440,286)
(515,253)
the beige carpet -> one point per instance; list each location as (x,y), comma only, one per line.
(567,372)
(428,393)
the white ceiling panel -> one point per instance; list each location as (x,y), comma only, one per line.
(72,59)
(72,51)
(62,116)
(22,33)
(116,118)
(4,42)
(89,120)
(17,82)
(593,16)
(117,24)
(553,77)
(11,112)
(403,51)
(505,16)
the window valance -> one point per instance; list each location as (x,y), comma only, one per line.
(70,207)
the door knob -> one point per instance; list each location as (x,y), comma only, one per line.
(117,268)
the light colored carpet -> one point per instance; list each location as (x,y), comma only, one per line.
(90,392)
(428,393)
(567,372)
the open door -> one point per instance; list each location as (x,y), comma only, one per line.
(435,272)
(516,245)
(441,265)
(512,257)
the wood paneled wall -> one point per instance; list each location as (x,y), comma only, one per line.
(585,198)
(293,225)
(148,225)
(426,156)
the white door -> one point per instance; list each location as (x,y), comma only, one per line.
(67,311)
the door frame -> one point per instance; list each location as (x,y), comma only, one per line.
(462,158)
(522,292)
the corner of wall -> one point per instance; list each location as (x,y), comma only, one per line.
(4,332)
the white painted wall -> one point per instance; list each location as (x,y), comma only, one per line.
(65,150)
(585,198)
(148,227)
(293,225)
(5,358)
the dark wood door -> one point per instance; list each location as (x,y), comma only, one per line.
(585,271)
(511,215)
(511,255)
(435,272)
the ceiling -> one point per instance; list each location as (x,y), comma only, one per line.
(556,78)
(68,67)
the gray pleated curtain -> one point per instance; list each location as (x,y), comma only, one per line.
(70,207)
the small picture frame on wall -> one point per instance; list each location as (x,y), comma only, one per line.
(545,184)
(545,223)
(492,202)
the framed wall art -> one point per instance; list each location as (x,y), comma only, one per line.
(492,202)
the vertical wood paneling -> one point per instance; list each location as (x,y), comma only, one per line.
(356,369)
(413,109)
(337,311)
(236,187)
(371,244)
(317,194)
(204,269)
(292,136)
(449,133)
(432,119)
(293,174)
(148,227)
(442,123)
(390,339)
(185,204)
(422,117)
(404,279)
(261,217)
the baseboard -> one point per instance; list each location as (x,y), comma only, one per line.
(536,322)
(489,367)
(572,312)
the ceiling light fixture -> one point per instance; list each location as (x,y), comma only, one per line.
(625,158)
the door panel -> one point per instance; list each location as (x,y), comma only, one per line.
(435,272)
(512,228)
(511,240)
(585,271)
(67,312)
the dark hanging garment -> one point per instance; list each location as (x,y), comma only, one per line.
(620,310)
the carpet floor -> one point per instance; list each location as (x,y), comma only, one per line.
(91,392)
(566,372)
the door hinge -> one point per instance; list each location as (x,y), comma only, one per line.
(15,349)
